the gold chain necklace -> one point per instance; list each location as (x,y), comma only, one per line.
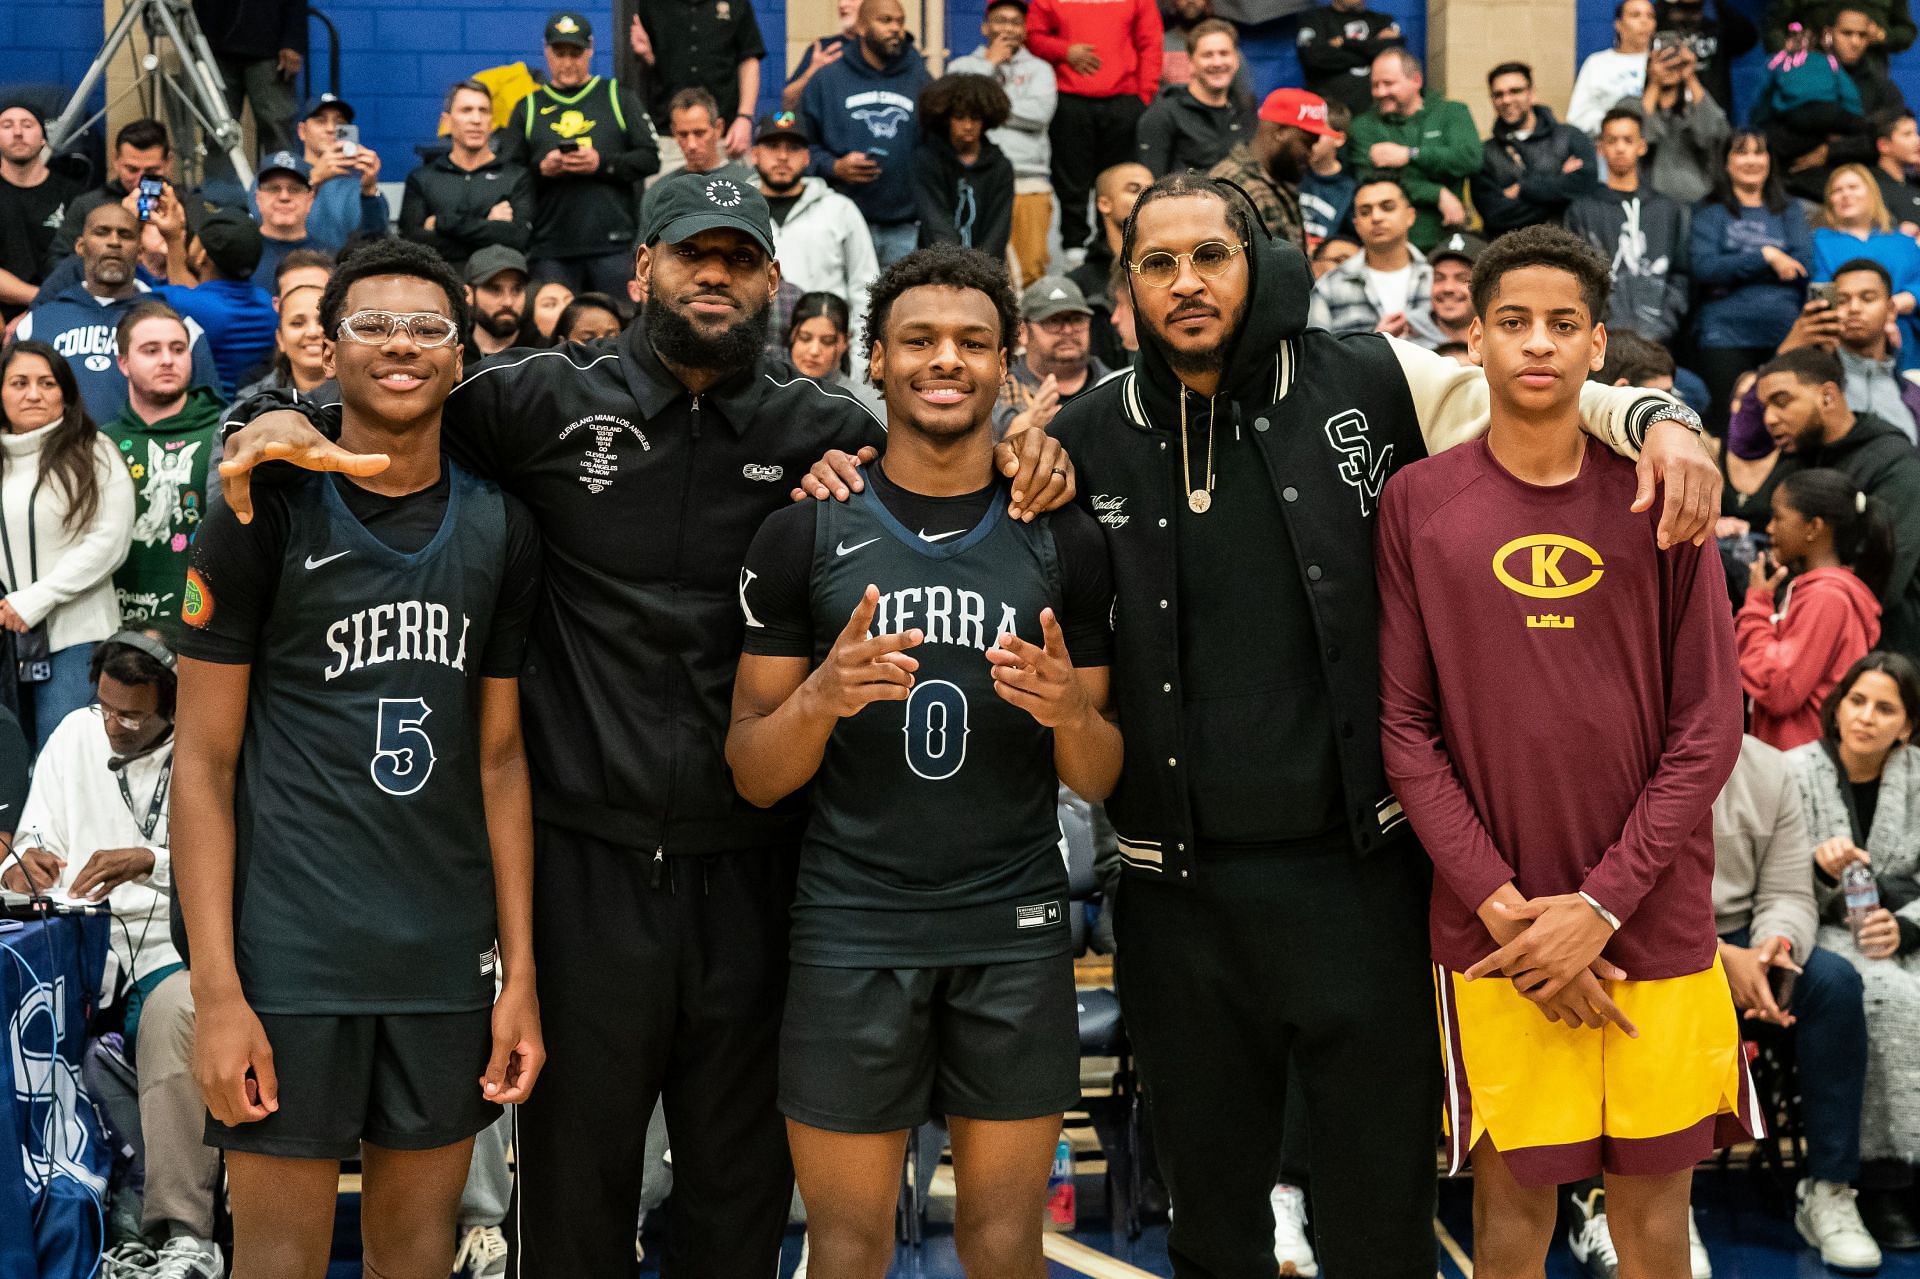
(1199,500)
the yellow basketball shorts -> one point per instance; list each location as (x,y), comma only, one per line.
(1562,1103)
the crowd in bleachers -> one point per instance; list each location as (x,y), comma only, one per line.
(1765,272)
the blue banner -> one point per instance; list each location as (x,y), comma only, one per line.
(53,1159)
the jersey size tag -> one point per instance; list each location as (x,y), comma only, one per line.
(1039,915)
(489,960)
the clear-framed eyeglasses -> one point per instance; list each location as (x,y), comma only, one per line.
(1161,269)
(372,328)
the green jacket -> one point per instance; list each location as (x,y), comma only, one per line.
(168,462)
(1450,153)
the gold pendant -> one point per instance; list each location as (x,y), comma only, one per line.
(1198,501)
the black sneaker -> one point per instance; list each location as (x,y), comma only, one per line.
(1888,1221)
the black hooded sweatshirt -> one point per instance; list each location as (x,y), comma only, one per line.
(970,205)
(1245,653)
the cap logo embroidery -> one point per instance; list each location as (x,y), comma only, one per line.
(724,193)
(566,25)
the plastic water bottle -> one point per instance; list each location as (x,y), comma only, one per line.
(1863,895)
(1062,1213)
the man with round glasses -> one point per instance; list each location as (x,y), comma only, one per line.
(1274,918)
(355,822)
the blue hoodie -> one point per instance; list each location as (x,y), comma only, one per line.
(81,327)
(850,106)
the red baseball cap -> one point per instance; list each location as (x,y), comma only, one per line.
(1298,108)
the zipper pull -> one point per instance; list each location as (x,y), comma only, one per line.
(659,867)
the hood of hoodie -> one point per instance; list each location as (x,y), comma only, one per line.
(854,61)
(1259,355)
(1544,123)
(199,412)
(1838,581)
(941,151)
(1869,432)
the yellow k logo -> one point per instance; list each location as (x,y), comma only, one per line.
(1547,566)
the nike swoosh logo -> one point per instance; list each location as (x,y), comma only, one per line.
(939,537)
(844,549)
(312,563)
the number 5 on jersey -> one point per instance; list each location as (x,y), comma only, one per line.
(402,751)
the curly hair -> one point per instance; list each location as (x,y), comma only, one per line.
(1547,246)
(390,256)
(945,266)
(965,97)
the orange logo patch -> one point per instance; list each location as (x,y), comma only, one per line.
(196,606)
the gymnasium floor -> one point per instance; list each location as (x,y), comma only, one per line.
(1745,1241)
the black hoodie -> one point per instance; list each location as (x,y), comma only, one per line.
(1246,653)
(1880,460)
(970,205)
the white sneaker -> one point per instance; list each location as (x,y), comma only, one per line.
(1828,1219)
(1291,1246)
(1588,1238)
(132,1259)
(1696,1250)
(483,1251)
(185,1257)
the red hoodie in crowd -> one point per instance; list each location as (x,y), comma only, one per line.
(1127,34)
(1791,659)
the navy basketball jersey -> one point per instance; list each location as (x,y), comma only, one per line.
(364,879)
(933,838)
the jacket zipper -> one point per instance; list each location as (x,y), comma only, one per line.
(679,548)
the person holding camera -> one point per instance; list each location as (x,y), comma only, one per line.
(66,520)
(344,174)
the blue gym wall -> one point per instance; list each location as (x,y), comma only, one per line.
(398,57)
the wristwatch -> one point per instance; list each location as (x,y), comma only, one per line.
(1675,413)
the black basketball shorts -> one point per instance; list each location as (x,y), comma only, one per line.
(884,1049)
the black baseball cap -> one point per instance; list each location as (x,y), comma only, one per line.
(1461,244)
(686,204)
(569,28)
(232,241)
(491,261)
(782,124)
(320,102)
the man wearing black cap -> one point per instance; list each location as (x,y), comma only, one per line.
(469,198)
(1450,302)
(496,279)
(33,202)
(712,46)
(344,174)
(818,234)
(589,144)
(236,314)
(661,903)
